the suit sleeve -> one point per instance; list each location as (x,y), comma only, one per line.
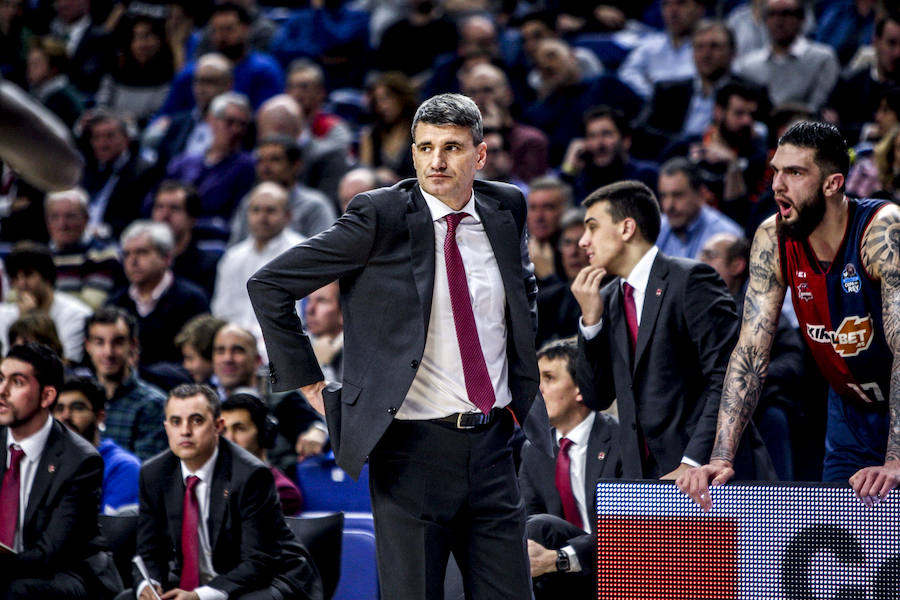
(274,289)
(593,369)
(713,324)
(534,504)
(71,526)
(153,544)
(260,549)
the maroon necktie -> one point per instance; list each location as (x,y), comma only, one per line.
(631,316)
(478,382)
(564,483)
(190,537)
(9,497)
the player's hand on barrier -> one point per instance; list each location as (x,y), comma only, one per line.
(696,482)
(873,484)
(681,468)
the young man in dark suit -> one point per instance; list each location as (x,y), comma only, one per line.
(211,507)
(50,491)
(559,494)
(657,339)
(438,294)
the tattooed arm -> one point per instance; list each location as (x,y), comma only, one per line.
(747,366)
(881,258)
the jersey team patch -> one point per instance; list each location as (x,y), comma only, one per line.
(852,337)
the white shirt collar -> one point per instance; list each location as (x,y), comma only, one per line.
(580,433)
(439,210)
(33,445)
(640,274)
(205,472)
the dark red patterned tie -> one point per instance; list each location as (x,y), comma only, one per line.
(9,497)
(564,483)
(631,316)
(478,382)
(190,537)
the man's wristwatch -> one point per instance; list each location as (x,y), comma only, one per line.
(562,561)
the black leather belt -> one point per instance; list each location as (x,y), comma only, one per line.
(468,420)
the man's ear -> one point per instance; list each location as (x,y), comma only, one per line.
(628,227)
(833,184)
(48,396)
(737,266)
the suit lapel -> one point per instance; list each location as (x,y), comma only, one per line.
(174,502)
(46,472)
(219,491)
(653,298)
(598,445)
(421,248)
(503,235)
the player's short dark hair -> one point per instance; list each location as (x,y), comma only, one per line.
(88,387)
(31,256)
(680,164)
(608,112)
(831,153)
(110,315)
(48,366)
(565,349)
(193,206)
(189,390)
(253,405)
(630,199)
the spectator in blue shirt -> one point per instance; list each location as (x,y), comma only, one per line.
(80,406)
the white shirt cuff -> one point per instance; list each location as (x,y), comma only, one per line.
(574,563)
(142,585)
(690,461)
(589,332)
(204,592)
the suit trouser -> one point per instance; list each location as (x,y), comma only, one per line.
(437,490)
(61,586)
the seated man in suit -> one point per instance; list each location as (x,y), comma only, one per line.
(211,508)
(50,493)
(559,498)
(656,339)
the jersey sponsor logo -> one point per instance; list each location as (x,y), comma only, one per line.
(803,292)
(852,337)
(801,274)
(850,279)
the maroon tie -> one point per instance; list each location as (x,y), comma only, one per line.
(564,483)
(631,316)
(478,382)
(9,497)
(190,537)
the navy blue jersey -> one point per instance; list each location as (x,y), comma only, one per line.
(839,309)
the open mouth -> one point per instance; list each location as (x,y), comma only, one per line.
(785,208)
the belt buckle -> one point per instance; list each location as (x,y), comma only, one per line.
(459,424)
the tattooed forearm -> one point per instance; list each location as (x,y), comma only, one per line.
(743,385)
(893,442)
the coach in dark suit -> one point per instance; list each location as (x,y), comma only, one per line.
(657,339)
(559,493)
(60,553)
(210,507)
(428,417)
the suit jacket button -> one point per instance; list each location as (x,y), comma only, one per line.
(392,410)
(273,379)
(414,363)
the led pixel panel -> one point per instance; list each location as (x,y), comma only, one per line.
(772,542)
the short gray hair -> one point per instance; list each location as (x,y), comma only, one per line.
(225,99)
(160,234)
(76,194)
(551,182)
(451,109)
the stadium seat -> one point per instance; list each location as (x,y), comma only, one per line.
(326,487)
(322,537)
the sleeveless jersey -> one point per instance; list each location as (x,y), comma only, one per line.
(839,310)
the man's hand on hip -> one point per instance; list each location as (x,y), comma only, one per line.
(313,395)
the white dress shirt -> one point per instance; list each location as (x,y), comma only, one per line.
(439,387)
(33,446)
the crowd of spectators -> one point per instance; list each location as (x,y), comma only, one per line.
(217,134)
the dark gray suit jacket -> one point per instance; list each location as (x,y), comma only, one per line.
(382,252)
(61,531)
(689,326)
(537,477)
(252,546)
